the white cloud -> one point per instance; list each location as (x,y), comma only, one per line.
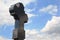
(50,32)
(5,16)
(31,15)
(52,26)
(51,9)
(36,35)
(3,38)
(29,10)
(25,2)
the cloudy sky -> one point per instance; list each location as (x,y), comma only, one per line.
(43,23)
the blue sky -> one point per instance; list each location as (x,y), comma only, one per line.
(42,18)
(42,14)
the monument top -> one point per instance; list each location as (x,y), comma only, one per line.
(17,10)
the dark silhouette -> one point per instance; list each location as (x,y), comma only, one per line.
(17,11)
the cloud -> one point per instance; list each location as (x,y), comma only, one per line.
(36,35)
(51,31)
(5,17)
(10,2)
(51,9)
(3,38)
(52,26)
(4,14)
(31,15)
(29,10)
(25,2)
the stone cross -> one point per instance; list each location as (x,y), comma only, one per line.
(17,11)
(19,32)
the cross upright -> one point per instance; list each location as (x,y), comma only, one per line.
(17,11)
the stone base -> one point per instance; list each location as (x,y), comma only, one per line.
(18,34)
